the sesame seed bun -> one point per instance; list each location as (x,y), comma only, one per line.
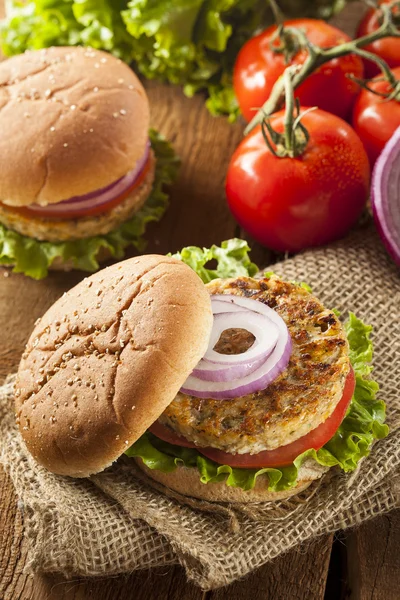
(186,481)
(106,359)
(72,120)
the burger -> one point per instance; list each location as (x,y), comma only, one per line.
(80,173)
(243,389)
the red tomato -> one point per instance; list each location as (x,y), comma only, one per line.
(167,435)
(97,210)
(282,456)
(289,204)
(387,48)
(285,455)
(257,69)
(375,119)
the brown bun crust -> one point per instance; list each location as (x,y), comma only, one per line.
(187,482)
(107,358)
(72,120)
(51,230)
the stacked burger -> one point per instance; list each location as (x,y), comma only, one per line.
(79,176)
(239,390)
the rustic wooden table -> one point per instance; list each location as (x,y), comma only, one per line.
(362,564)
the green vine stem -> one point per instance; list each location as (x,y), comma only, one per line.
(318,56)
(295,137)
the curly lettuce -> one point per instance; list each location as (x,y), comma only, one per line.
(193,43)
(232,260)
(362,425)
(34,258)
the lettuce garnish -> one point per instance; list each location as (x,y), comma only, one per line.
(362,425)
(193,43)
(232,260)
(33,258)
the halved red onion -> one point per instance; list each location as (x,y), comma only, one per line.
(385,196)
(258,378)
(98,197)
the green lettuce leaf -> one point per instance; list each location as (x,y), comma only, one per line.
(34,258)
(193,43)
(232,260)
(362,425)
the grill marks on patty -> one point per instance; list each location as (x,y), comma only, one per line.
(299,400)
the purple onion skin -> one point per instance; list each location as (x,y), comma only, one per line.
(379,195)
(250,388)
(227,373)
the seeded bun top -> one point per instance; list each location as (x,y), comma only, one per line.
(107,358)
(72,121)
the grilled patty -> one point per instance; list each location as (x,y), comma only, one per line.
(299,400)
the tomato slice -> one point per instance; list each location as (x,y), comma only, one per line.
(167,435)
(280,457)
(285,455)
(74,214)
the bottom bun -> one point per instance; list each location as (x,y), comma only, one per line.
(186,481)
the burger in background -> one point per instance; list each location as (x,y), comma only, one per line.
(80,174)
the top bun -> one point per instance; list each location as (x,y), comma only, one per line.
(106,360)
(72,120)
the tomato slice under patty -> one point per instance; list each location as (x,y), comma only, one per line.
(88,212)
(280,457)
(167,435)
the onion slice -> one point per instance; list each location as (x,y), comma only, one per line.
(250,371)
(97,197)
(266,334)
(385,196)
(226,367)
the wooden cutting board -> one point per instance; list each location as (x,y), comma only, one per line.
(364,562)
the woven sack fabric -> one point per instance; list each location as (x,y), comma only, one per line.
(119,521)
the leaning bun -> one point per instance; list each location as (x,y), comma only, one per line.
(72,120)
(106,360)
(186,481)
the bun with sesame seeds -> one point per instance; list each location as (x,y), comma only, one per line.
(106,359)
(73,120)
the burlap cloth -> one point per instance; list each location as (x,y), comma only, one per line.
(117,522)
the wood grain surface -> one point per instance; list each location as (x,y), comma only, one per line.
(197,215)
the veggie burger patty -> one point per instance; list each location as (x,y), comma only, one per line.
(298,401)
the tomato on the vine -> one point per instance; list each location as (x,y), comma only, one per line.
(375,118)
(289,204)
(258,67)
(387,48)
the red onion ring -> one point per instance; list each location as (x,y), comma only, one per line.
(218,367)
(385,196)
(215,383)
(98,197)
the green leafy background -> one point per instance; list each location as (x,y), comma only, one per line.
(34,258)
(193,43)
(363,423)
